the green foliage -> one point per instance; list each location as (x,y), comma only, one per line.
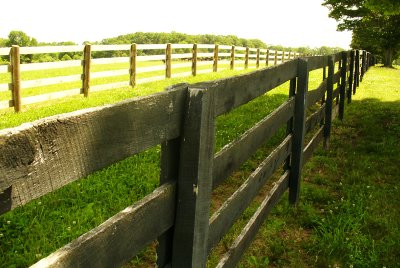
(374,23)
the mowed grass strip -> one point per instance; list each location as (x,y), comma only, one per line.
(348,215)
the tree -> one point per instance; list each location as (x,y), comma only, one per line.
(374,23)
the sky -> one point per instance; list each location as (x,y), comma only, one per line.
(290,23)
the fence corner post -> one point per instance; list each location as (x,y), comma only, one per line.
(15,61)
(86,69)
(132,71)
(343,81)
(299,117)
(195,180)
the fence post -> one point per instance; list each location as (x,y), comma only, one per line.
(267,58)
(357,72)
(16,77)
(132,71)
(233,58)
(169,165)
(351,76)
(283,56)
(168,64)
(289,125)
(275,57)
(86,69)
(343,76)
(215,64)
(298,131)
(363,64)
(258,58)
(329,101)
(194,60)
(246,58)
(194,181)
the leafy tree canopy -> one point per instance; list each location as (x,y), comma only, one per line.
(374,23)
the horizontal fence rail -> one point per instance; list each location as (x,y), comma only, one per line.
(196,58)
(35,159)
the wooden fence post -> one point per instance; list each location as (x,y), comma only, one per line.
(195,181)
(329,101)
(246,58)
(275,57)
(283,56)
(86,69)
(169,165)
(343,80)
(132,71)
(215,64)
(289,125)
(233,58)
(298,131)
(258,58)
(267,58)
(16,77)
(362,65)
(168,64)
(351,76)
(357,72)
(194,60)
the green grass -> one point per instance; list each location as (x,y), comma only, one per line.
(348,212)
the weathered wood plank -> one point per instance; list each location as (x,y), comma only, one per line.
(121,237)
(317,62)
(50,81)
(35,159)
(314,119)
(232,257)
(109,73)
(336,92)
(312,145)
(238,90)
(51,96)
(111,60)
(229,158)
(315,95)
(336,77)
(50,65)
(50,49)
(223,219)
(195,180)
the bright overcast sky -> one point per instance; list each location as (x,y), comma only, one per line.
(276,22)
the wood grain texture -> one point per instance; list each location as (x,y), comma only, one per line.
(229,158)
(35,159)
(223,219)
(317,62)
(195,180)
(242,242)
(235,91)
(16,78)
(121,237)
(298,131)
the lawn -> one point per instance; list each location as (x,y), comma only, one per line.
(349,204)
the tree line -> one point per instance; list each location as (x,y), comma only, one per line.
(22,39)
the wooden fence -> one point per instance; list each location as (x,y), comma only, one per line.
(35,159)
(200,55)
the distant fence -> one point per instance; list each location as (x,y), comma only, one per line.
(41,157)
(199,55)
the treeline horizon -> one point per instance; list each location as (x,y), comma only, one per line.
(22,39)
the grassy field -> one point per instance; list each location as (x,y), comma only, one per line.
(349,208)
